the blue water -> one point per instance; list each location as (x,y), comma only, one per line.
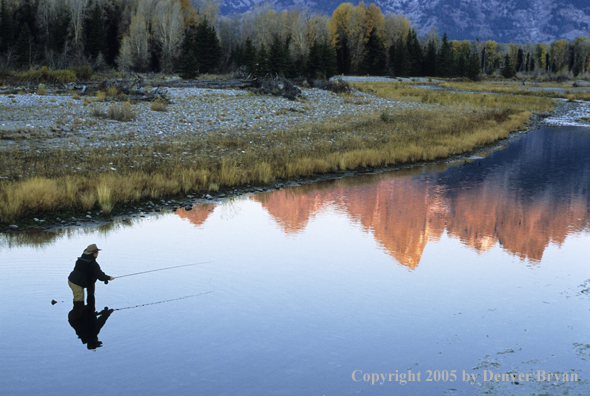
(476,267)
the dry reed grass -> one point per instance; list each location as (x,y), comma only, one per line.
(454,124)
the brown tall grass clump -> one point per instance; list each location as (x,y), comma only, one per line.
(121,112)
(159,105)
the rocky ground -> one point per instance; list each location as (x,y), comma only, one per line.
(39,122)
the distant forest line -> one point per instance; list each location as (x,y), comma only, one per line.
(191,38)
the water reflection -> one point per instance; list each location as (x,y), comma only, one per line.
(530,194)
(523,197)
(40,238)
(87,323)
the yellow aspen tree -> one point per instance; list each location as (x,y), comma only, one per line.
(357,36)
(492,55)
(190,16)
(373,19)
(540,56)
(395,28)
(338,23)
(558,52)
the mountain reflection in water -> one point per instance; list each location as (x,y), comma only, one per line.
(524,197)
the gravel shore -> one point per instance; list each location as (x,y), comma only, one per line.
(34,122)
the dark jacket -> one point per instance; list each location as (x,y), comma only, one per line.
(87,271)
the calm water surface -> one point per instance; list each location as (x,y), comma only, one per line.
(472,269)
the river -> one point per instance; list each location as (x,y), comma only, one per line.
(434,280)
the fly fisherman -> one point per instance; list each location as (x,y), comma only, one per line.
(85,274)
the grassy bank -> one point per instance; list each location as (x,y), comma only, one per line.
(545,90)
(442,125)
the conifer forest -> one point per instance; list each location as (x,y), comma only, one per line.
(191,38)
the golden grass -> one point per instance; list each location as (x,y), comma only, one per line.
(158,105)
(103,192)
(101,96)
(407,91)
(121,112)
(449,124)
(41,89)
(541,89)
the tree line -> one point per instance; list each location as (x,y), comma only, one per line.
(190,37)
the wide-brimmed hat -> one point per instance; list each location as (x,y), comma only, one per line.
(91,249)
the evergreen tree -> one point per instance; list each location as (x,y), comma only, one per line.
(237,56)
(375,56)
(5,26)
(262,61)
(391,61)
(313,67)
(321,61)
(290,68)
(277,57)
(113,18)
(402,64)
(250,56)
(26,14)
(429,65)
(58,31)
(95,34)
(189,67)
(415,53)
(473,66)
(343,56)
(207,47)
(445,58)
(329,66)
(24,47)
(508,71)
(461,69)
(571,57)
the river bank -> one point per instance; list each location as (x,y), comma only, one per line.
(177,164)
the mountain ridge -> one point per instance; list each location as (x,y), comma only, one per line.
(517,21)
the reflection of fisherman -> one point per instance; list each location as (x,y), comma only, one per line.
(85,274)
(88,323)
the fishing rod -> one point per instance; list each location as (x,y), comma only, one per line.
(165,301)
(53,302)
(162,269)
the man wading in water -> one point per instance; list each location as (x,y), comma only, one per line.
(85,274)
